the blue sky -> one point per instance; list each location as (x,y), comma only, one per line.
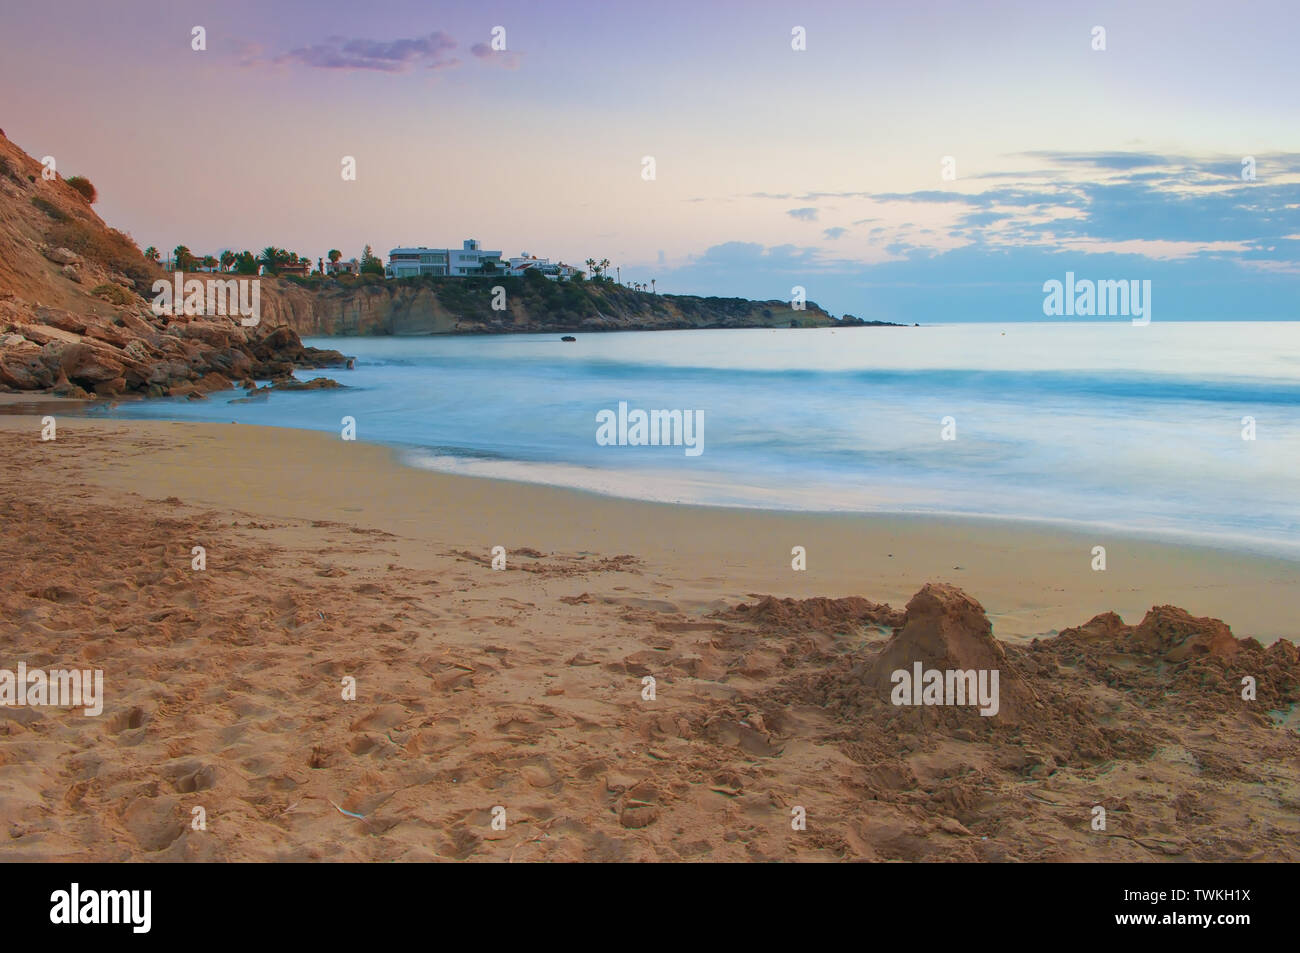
(775,167)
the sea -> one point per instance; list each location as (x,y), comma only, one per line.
(1187,430)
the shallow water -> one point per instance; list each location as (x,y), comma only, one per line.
(1095,423)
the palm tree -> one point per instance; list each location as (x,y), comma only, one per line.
(603,265)
(184,258)
(591,267)
(334,256)
(152,255)
(227,259)
(271,258)
(652,287)
(209,262)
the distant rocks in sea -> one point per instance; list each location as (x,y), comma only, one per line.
(853,321)
(255,394)
(316,383)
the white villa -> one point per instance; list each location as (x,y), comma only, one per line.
(469,259)
(526,263)
(341,267)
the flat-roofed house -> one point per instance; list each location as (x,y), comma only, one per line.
(525,263)
(352,267)
(465,262)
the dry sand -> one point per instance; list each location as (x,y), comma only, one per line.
(523,688)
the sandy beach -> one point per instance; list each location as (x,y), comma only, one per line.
(522,689)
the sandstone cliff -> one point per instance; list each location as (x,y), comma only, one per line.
(75,315)
(344,306)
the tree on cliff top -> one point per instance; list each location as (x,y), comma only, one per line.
(272,258)
(371,264)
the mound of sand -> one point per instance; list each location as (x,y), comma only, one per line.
(945,629)
(817,614)
(1172,651)
(1168,632)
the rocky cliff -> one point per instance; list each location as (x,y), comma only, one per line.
(76,314)
(75,307)
(372,305)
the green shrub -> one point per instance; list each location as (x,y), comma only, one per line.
(49,208)
(82,185)
(114,294)
(108,247)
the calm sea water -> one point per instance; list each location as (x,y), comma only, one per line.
(1099,423)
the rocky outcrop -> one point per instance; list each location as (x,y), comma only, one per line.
(78,355)
(75,321)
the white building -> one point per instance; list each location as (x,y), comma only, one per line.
(525,263)
(468,260)
(341,267)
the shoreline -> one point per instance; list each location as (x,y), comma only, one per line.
(1033,579)
(1225,544)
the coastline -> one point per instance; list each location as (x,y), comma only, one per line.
(1033,579)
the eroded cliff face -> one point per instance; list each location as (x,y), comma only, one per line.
(457,306)
(360,310)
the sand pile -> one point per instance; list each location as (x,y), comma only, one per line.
(1085,696)
(818,614)
(1168,632)
(945,630)
(1171,651)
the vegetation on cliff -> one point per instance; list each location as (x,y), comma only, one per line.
(436,305)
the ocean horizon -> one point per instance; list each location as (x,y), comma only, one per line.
(1078,424)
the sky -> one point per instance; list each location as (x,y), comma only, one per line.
(774,167)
